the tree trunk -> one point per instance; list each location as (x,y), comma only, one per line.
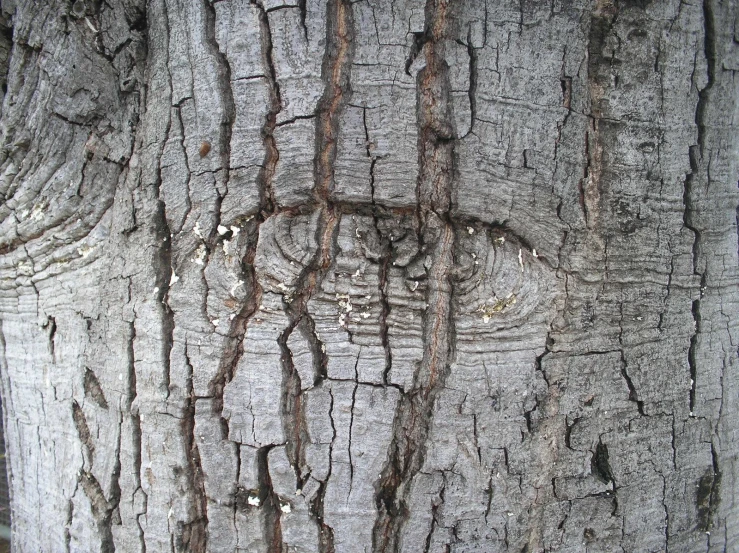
(373,276)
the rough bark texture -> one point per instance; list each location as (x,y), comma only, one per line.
(374,276)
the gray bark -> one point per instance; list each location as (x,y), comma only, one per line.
(335,276)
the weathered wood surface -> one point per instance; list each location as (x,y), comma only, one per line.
(334,276)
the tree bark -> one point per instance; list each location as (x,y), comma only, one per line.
(381,276)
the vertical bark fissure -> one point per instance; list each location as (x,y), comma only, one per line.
(633,395)
(435,516)
(163,267)
(709,47)
(708,493)
(136,435)
(336,68)
(70,518)
(414,413)
(699,163)
(226,94)
(135,423)
(101,510)
(472,91)
(599,65)
(326,533)
(234,344)
(188,201)
(294,423)
(351,421)
(101,507)
(115,478)
(272,528)
(302,6)
(192,536)
(272,154)
(384,263)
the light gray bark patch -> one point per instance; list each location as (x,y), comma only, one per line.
(566,338)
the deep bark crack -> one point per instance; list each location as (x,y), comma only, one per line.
(414,413)
(192,536)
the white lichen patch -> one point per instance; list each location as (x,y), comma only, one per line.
(254,501)
(520,258)
(197,231)
(232,291)
(222,230)
(174,278)
(235,230)
(92,27)
(488,310)
(84,251)
(470,230)
(285,507)
(200,253)
(226,246)
(345,307)
(37,213)
(215,322)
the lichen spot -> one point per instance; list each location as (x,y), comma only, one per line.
(204,148)
(78,9)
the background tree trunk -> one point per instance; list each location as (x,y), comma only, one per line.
(334,276)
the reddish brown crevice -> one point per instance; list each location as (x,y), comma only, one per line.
(294,424)
(326,533)
(272,154)
(415,410)
(234,347)
(384,261)
(335,73)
